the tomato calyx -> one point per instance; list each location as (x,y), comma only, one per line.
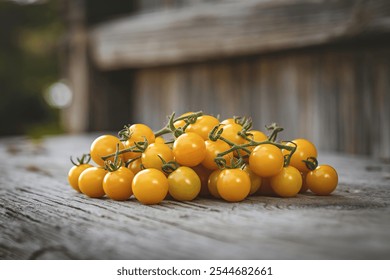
(216,133)
(311,163)
(287,158)
(84,159)
(245,122)
(169,167)
(114,165)
(124,134)
(235,162)
(275,129)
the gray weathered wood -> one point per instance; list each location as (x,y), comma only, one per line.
(41,217)
(232,28)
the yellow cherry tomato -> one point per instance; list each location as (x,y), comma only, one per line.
(266,189)
(184,184)
(323,180)
(74,174)
(159,140)
(287,183)
(151,157)
(91,182)
(117,184)
(203,174)
(150,186)
(256,136)
(266,160)
(228,121)
(233,184)
(230,132)
(255,180)
(212,183)
(203,125)
(135,166)
(213,148)
(138,133)
(305,149)
(103,146)
(181,123)
(304,187)
(189,149)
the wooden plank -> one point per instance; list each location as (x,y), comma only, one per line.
(233,28)
(41,217)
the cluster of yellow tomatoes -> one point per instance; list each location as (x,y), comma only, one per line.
(197,154)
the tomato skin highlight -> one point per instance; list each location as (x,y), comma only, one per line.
(74,174)
(189,149)
(91,182)
(105,145)
(323,180)
(184,184)
(117,184)
(287,183)
(266,160)
(150,186)
(228,121)
(203,125)
(233,185)
(304,150)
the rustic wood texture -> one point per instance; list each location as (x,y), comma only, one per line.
(233,28)
(316,93)
(41,217)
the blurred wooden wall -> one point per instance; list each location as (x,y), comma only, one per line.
(338,98)
(320,69)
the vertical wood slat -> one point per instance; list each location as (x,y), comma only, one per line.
(75,117)
(337,98)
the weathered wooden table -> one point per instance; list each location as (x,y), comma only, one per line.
(41,217)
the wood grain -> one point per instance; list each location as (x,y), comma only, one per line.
(233,28)
(41,217)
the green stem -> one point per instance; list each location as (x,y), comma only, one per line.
(168,129)
(233,146)
(311,163)
(116,164)
(255,143)
(162,131)
(197,114)
(131,161)
(130,149)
